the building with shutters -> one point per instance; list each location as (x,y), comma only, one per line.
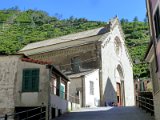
(26,83)
(103,49)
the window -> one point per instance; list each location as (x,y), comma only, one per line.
(75,64)
(62,91)
(136,87)
(154,76)
(117,46)
(157,23)
(91,88)
(53,84)
(30,81)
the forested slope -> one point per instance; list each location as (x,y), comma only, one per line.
(18,28)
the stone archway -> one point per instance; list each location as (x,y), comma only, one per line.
(119,76)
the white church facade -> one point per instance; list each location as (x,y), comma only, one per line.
(102,49)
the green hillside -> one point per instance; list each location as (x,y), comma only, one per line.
(137,39)
(18,28)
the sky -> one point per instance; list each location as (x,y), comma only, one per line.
(95,10)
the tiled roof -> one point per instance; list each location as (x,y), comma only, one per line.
(49,64)
(35,61)
(66,38)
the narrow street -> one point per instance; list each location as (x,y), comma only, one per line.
(107,113)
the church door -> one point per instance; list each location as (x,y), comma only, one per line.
(118,94)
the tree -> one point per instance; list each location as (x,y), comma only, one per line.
(146,20)
(135,19)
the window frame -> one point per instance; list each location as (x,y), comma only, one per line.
(155,81)
(62,91)
(157,23)
(117,46)
(33,80)
(76,64)
(91,86)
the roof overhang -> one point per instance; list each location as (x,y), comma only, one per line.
(30,60)
(53,68)
(150,53)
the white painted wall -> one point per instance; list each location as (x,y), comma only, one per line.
(59,103)
(109,64)
(92,100)
(73,106)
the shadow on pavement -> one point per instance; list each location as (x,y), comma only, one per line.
(107,113)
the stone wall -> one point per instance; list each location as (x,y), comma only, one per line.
(157,105)
(8,74)
(62,58)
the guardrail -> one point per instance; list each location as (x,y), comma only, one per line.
(146,104)
(27,114)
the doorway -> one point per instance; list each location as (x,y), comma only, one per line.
(119,94)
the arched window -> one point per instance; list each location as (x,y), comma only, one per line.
(117,45)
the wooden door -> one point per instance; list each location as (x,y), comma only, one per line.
(119,94)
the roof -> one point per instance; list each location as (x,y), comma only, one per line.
(76,75)
(52,67)
(148,49)
(35,61)
(66,38)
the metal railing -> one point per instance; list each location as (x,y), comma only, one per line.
(38,113)
(146,104)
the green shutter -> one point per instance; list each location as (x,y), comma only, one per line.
(62,91)
(26,80)
(35,79)
(30,81)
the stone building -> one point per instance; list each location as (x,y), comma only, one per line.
(24,84)
(102,48)
(153,52)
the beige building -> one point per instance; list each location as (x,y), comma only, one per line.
(27,83)
(102,48)
(153,53)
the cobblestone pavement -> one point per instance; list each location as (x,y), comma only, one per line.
(107,113)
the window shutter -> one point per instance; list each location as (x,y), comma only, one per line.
(30,81)
(35,79)
(26,83)
(62,91)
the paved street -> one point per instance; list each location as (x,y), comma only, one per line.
(107,113)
